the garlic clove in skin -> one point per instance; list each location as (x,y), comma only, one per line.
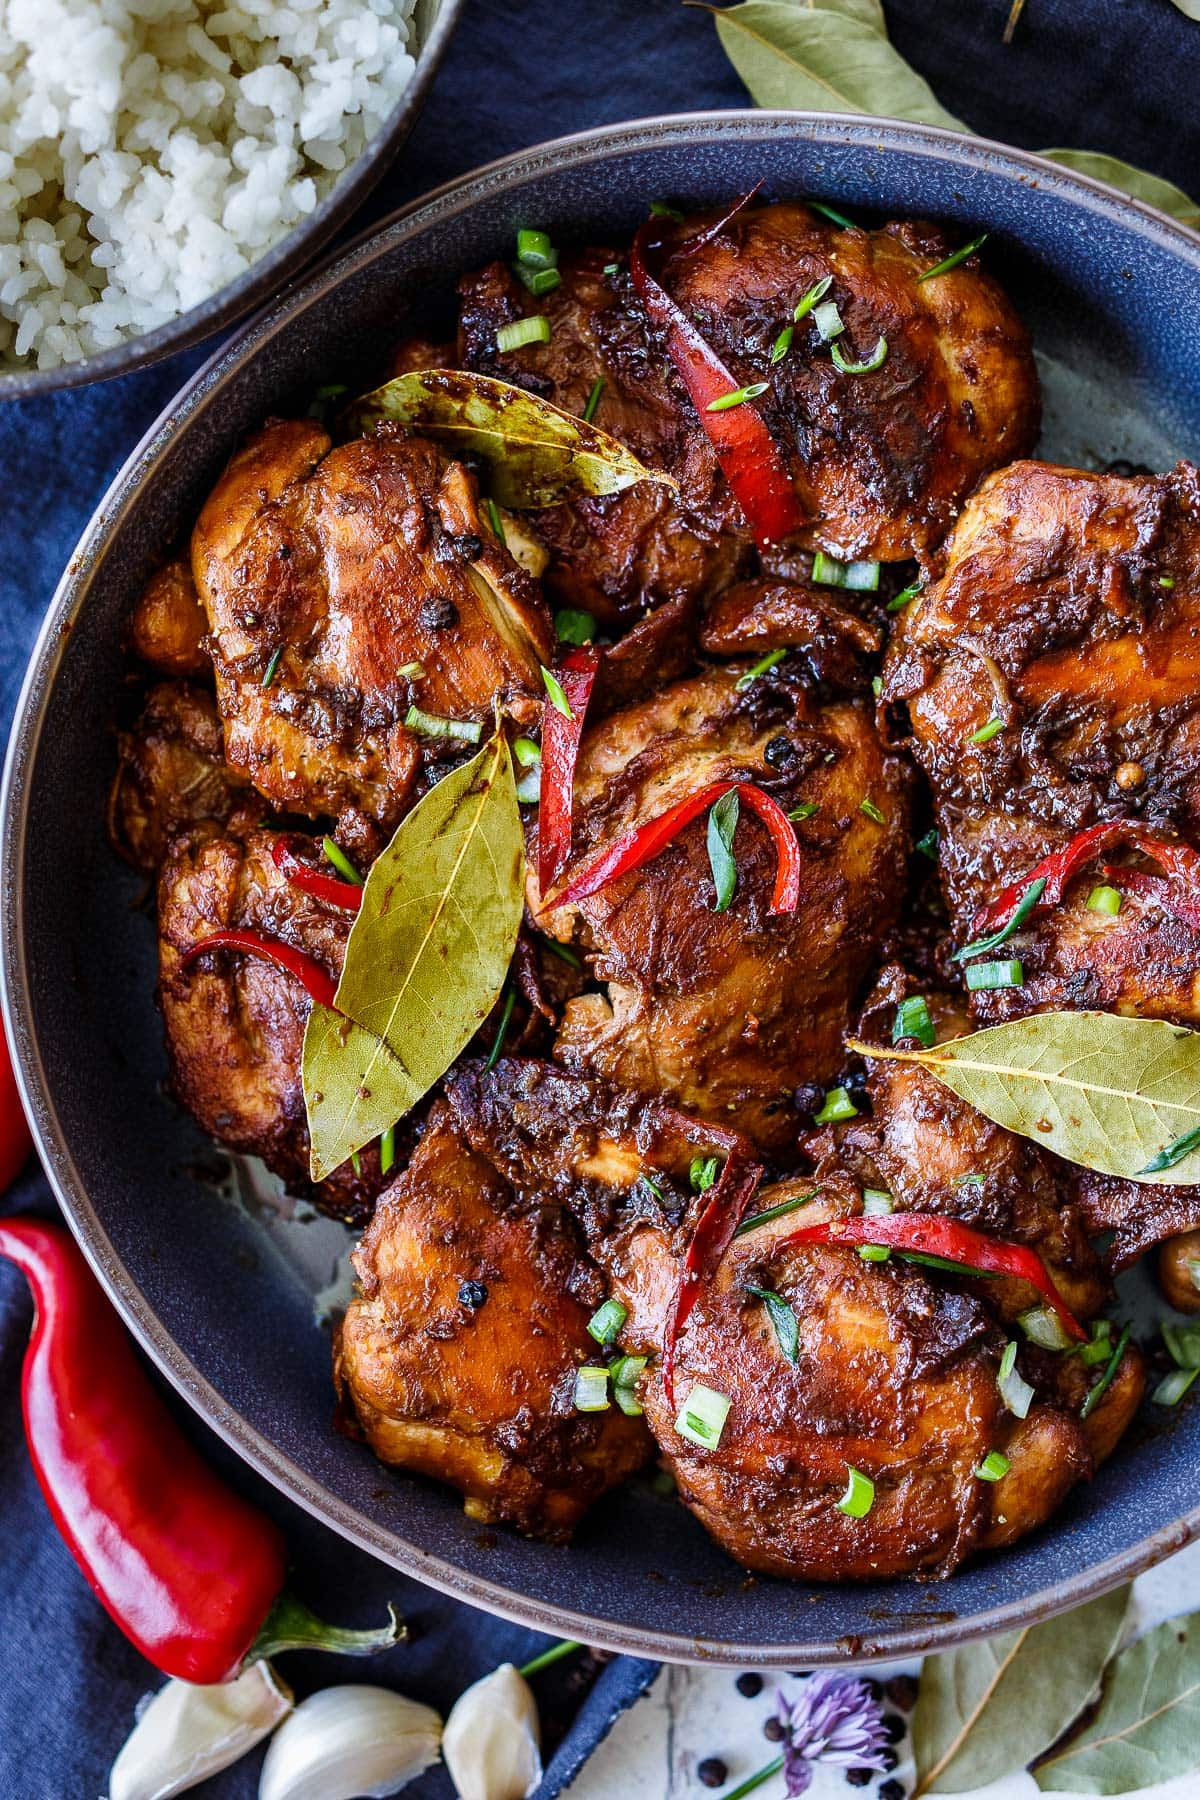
(492,1744)
(350,1743)
(187,1733)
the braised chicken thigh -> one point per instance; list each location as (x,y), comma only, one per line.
(171,773)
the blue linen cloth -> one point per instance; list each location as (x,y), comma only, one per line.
(1112,75)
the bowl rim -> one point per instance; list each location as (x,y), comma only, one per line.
(267,274)
(202,391)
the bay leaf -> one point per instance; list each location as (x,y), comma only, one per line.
(426,959)
(989,1708)
(537,453)
(1099,1089)
(1147,1726)
(1137,183)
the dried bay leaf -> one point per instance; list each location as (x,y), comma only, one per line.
(1137,183)
(1108,1092)
(537,452)
(988,1708)
(1147,1726)
(426,958)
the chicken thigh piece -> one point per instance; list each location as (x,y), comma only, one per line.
(730,1012)
(343,586)
(169,626)
(171,773)
(458,1357)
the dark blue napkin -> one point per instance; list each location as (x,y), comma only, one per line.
(1113,75)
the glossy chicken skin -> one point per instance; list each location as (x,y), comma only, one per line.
(458,1357)
(235,1024)
(728,1013)
(356,564)
(171,773)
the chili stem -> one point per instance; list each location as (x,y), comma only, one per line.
(290,1625)
(555,1654)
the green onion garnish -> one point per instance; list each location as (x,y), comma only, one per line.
(502,1028)
(702,1173)
(527,753)
(736,396)
(649,1182)
(591,1390)
(1015,1392)
(1173,1387)
(878,1200)
(928,845)
(574,626)
(1003,974)
(626,1398)
(830,212)
(1174,1153)
(387,1150)
(467,731)
(611,269)
(535,250)
(946,1266)
(827,571)
(875,361)
(702,1416)
(838,1105)
(606,1322)
(337,856)
(1166,581)
(805,810)
(660,210)
(563,951)
(539,281)
(905,597)
(625,1372)
(332,390)
(782,344)
(529,788)
(558,699)
(859,1496)
(272,668)
(775,1212)
(1042,1326)
(877,685)
(1102,1386)
(1105,900)
(356,1162)
(593,400)
(1183,1343)
(764,663)
(874,1253)
(816,292)
(971,1180)
(869,807)
(787,1326)
(1098,1349)
(913,1020)
(987,732)
(828,321)
(952,262)
(994,939)
(994,1467)
(524,331)
(413,671)
(722,824)
(496,522)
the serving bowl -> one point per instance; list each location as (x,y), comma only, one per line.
(433,24)
(220,1277)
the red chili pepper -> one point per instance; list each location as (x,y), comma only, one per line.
(15,1141)
(191,1573)
(727,1203)
(560,753)
(931,1235)
(311,974)
(1159,889)
(641,843)
(1059,868)
(748,454)
(312,881)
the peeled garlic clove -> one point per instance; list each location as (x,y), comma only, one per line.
(492,1744)
(350,1742)
(188,1733)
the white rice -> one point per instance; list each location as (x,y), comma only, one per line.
(151,150)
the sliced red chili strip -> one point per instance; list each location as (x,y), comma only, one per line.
(1061,866)
(311,881)
(727,1203)
(641,843)
(560,753)
(749,456)
(311,974)
(1160,889)
(931,1235)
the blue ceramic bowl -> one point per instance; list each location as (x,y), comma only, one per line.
(220,1285)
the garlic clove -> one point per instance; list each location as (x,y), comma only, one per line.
(187,1733)
(350,1743)
(492,1743)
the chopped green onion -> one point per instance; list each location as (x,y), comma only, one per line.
(787,1326)
(947,1266)
(830,212)
(877,685)
(827,571)
(702,1416)
(972,1180)
(652,1185)
(1042,1326)
(928,845)
(527,753)
(905,597)
(606,1322)
(722,824)
(1105,900)
(574,626)
(838,1105)
(626,1398)
(913,1020)
(994,1467)
(869,807)
(859,1496)
(805,810)
(994,939)
(535,249)
(1183,1343)
(1006,973)
(332,390)
(520,332)
(496,522)
(593,400)
(539,281)
(413,671)
(875,361)
(591,1390)
(625,1372)
(272,668)
(952,262)
(611,269)
(874,1253)
(1102,1386)
(564,952)
(736,396)
(828,321)
(987,732)
(1098,1349)
(558,699)
(337,856)
(702,1173)
(782,344)
(816,292)
(1166,581)
(356,1162)
(878,1200)
(1015,1392)
(775,1212)
(387,1150)
(1173,1387)
(660,210)
(529,788)
(759,668)
(467,731)
(505,1015)
(1174,1153)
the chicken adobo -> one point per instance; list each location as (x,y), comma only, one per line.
(588,766)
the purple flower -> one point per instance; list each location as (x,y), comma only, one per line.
(833,1720)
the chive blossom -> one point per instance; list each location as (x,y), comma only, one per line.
(769,661)
(466,731)
(859,1496)
(737,396)
(952,262)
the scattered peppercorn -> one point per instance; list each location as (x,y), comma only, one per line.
(470,546)
(808,1101)
(712,1772)
(780,752)
(472,1294)
(902,1691)
(891,1790)
(438,613)
(773,1730)
(859,1777)
(750,1686)
(895,1727)
(888,1760)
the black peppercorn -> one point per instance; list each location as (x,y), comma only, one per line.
(470,546)
(873,1687)
(808,1101)
(750,1686)
(895,1727)
(902,1690)
(780,752)
(891,1790)
(888,1760)
(773,1730)
(438,613)
(472,1294)
(712,1772)
(859,1777)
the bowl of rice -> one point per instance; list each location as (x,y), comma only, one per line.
(165,164)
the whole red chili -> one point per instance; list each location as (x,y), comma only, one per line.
(314,881)
(191,1573)
(311,974)
(1180,894)
(560,753)
(15,1141)
(713,1234)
